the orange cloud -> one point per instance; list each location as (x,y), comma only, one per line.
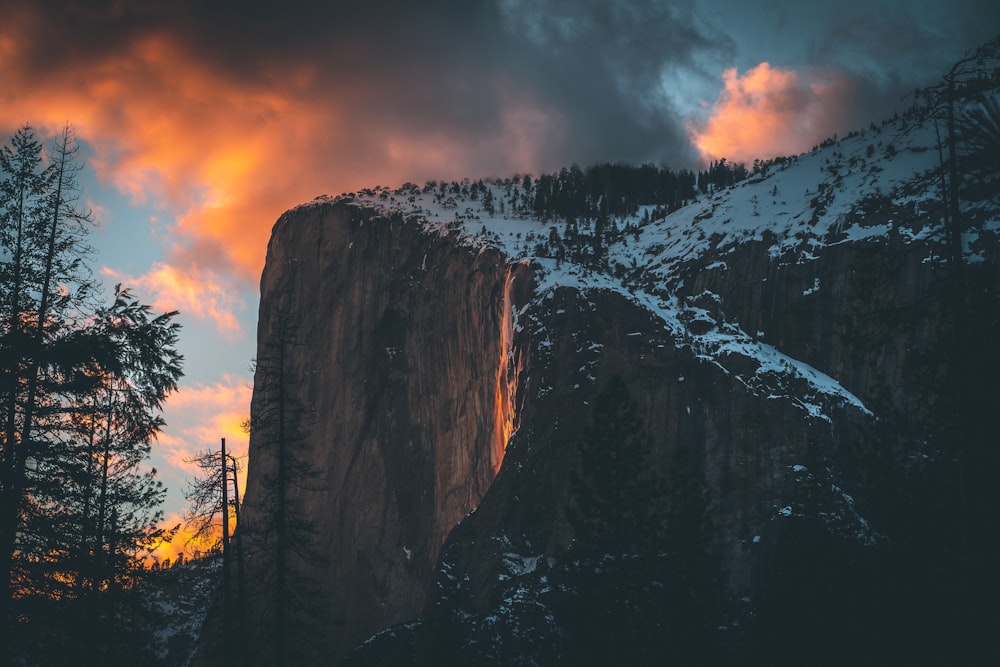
(196,292)
(216,154)
(223,152)
(198,416)
(771,111)
(201,414)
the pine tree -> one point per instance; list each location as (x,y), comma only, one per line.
(139,370)
(626,585)
(81,387)
(968,133)
(284,541)
(44,252)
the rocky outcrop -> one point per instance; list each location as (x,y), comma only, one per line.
(745,451)
(729,525)
(397,369)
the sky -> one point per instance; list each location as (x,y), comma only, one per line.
(202,121)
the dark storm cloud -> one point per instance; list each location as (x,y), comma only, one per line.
(233,111)
(451,68)
(891,48)
(604,64)
(448,67)
(454,67)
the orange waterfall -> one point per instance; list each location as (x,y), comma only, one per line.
(508,370)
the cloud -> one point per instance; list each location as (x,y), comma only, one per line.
(221,153)
(198,416)
(771,111)
(226,118)
(223,115)
(192,291)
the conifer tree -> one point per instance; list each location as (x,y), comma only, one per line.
(619,502)
(47,287)
(81,388)
(284,545)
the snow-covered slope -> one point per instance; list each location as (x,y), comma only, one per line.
(706,412)
(873,185)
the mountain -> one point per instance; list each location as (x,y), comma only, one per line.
(625,415)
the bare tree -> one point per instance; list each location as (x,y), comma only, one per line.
(212,508)
(968,146)
(963,82)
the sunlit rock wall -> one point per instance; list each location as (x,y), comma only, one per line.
(732,524)
(399,361)
(659,499)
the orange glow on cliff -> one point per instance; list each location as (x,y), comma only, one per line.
(771,111)
(508,370)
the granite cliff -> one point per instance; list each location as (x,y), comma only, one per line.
(754,429)
(392,354)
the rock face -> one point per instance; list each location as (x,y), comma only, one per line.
(770,442)
(394,345)
(741,531)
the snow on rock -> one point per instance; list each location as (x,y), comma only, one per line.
(800,205)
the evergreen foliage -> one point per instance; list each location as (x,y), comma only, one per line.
(609,190)
(81,388)
(590,209)
(284,545)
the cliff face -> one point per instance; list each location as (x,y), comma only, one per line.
(752,430)
(393,347)
(729,525)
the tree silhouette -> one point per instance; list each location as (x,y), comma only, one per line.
(81,387)
(626,584)
(284,544)
(964,81)
(965,150)
(44,282)
(979,127)
(208,494)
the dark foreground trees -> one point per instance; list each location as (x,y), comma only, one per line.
(214,495)
(284,548)
(81,387)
